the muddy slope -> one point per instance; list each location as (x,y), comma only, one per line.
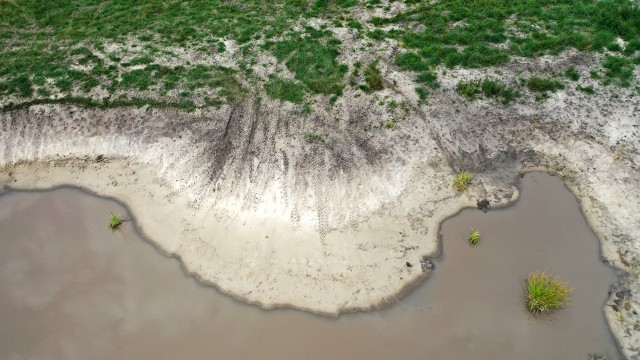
(322,210)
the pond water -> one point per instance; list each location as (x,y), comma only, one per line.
(72,289)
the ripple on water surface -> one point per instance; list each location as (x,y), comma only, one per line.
(72,289)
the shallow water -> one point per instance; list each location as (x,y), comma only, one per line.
(72,289)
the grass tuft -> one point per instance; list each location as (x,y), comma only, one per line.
(313,138)
(373,77)
(544,293)
(489,88)
(474,236)
(462,180)
(572,74)
(114,221)
(468,89)
(586,89)
(542,85)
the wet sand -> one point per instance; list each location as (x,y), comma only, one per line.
(72,289)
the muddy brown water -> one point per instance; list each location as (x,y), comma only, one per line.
(72,289)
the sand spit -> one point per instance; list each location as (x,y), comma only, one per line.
(252,204)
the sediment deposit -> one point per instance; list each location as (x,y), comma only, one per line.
(323,210)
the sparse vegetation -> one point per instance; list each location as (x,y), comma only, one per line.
(489,88)
(313,138)
(597,357)
(545,293)
(422,93)
(474,236)
(373,77)
(586,89)
(60,50)
(474,34)
(468,89)
(542,85)
(115,221)
(572,74)
(462,180)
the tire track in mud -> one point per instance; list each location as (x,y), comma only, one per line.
(319,190)
(283,162)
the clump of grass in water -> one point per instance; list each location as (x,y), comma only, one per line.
(462,180)
(544,293)
(474,236)
(597,357)
(115,220)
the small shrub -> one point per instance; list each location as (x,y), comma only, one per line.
(115,220)
(474,236)
(538,84)
(544,293)
(462,180)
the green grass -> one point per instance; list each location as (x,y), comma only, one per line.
(543,85)
(373,77)
(618,70)
(477,34)
(468,89)
(489,88)
(287,90)
(461,181)
(545,293)
(586,89)
(115,221)
(474,236)
(422,93)
(60,49)
(572,74)
(313,60)
(67,48)
(429,79)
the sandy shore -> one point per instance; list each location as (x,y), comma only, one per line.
(252,208)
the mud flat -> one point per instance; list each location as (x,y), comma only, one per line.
(72,289)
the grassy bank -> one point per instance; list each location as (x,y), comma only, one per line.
(208,53)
